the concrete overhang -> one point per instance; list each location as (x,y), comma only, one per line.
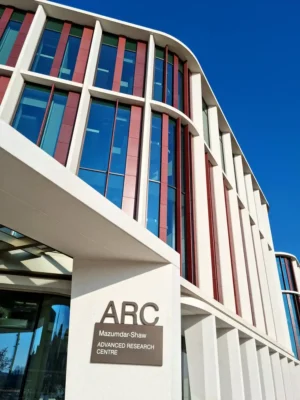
(43,200)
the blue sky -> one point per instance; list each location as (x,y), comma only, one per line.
(249,51)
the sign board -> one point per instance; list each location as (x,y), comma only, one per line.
(127,344)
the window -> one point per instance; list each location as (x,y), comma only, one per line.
(107,65)
(171,207)
(48,47)
(34,338)
(170,77)
(39,116)
(180,86)
(104,154)
(222,151)
(10,35)
(205,122)
(158,74)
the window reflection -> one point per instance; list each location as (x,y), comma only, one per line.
(69,61)
(8,40)
(170,81)
(46,52)
(158,74)
(128,72)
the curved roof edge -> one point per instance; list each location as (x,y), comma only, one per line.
(88,18)
(289,255)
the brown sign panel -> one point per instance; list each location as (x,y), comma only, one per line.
(127,344)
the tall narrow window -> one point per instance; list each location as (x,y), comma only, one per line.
(127,79)
(205,122)
(170,77)
(171,207)
(46,51)
(180,85)
(71,52)
(39,116)
(10,35)
(222,151)
(159,74)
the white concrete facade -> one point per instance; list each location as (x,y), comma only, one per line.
(114,257)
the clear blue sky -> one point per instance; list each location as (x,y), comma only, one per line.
(250,52)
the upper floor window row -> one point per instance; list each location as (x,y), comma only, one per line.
(171,79)
(14,26)
(121,65)
(63,50)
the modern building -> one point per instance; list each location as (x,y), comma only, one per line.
(136,255)
(289,275)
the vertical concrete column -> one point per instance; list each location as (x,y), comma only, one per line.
(202,351)
(16,83)
(266,222)
(228,158)
(220,211)
(295,380)
(250,196)
(264,284)
(250,370)
(259,217)
(266,375)
(142,194)
(288,383)
(277,377)
(253,275)
(230,364)
(239,170)
(84,104)
(281,326)
(94,285)
(199,189)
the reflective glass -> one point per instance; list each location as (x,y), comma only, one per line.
(119,150)
(98,136)
(155,152)
(54,121)
(171,218)
(182,160)
(69,61)
(170,84)
(172,153)
(180,90)
(106,67)
(95,179)
(290,324)
(183,238)
(8,40)
(18,313)
(185,381)
(153,208)
(158,80)
(280,273)
(128,72)
(205,122)
(115,189)
(46,51)
(46,373)
(30,113)
(285,275)
(295,315)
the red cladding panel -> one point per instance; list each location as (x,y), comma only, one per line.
(4,81)
(232,255)
(119,64)
(175,82)
(60,51)
(186,99)
(83,55)
(140,66)
(132,160)
(5,19)
(16,50)
(164,179)
(67,127)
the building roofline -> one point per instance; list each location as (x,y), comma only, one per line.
(289,255)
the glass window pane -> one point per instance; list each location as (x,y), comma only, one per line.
(171,218)
(18,16)
(285,275)
(95,179)
(106,67)
(98,136)
(130,45)
(111,40)
(30,114)
(119,150)
(180,91)
(115,189)
(205,122)
(170,84)
(172,153)
(158,80)
(54,25)
(182,160)
(280,273)
(69,61)
(155,151)
(159,52)
(46,51)
(153,208)
(18,313)
(8,40)
(48,356)
(290,324)
(183,238)
(54,121)
(128,72)
(76,30)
